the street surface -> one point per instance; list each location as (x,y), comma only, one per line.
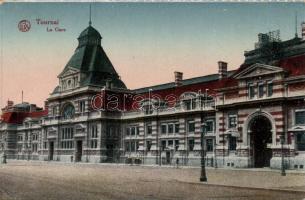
(52,180)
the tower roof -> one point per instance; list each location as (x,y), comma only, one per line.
(90,32)
(91,59)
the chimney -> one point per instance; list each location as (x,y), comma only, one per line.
(303,30)
(10,103)
(178,78)
(222,69)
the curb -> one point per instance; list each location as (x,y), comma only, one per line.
(243,187)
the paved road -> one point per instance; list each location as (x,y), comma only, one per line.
(22,180)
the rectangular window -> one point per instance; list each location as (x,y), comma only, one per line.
(177,127)
(209,145)
(232,121)
(93,137)
(251,91)
(191,126)
(300,141)
(128,131)
(67,139)
(127,146)
(138,130)
(148,145)
(191,144)
(170,143)
(176,145)
(19,137)
(269,89)
(170,128)
(34,147)
(82,106)
(163,128)
(300,117)
(149,129)
(132,146)
(260,90)
(133,130)
(209,126)
(232,143)
(163,144)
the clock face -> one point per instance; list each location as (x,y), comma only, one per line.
(68,111)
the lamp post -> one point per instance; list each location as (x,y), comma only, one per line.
(283,173)
(4,155)
(203,176)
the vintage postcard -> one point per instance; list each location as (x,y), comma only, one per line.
(152,100)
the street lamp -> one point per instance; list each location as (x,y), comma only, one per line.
(282,138)
(4,155)
(203,176)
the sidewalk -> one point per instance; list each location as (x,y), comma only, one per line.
(263,178)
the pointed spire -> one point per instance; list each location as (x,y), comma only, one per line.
(90,22)
(296,24)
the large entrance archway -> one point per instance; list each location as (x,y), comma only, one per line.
(260,135)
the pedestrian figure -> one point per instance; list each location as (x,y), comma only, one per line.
(4,159)
(177,162)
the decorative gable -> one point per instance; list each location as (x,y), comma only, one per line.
(258,70)
(69,78)
(68,72)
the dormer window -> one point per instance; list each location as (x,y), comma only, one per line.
(188,100)
(190,104)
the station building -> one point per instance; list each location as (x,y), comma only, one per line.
(243,114)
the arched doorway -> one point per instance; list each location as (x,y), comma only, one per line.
(260,135)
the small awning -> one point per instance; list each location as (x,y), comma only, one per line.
(169,148)
(197,147)
(141,148)
(80,126)
(153,148)
(296,129)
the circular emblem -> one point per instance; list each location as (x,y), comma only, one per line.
(24,25)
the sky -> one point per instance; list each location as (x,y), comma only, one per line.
(146,42)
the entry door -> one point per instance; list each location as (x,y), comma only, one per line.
(51,150)
(109,152)
(168,157)
(79,151)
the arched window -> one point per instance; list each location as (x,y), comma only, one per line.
(68,111)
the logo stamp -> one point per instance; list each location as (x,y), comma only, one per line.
(24,25)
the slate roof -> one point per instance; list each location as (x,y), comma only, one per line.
(91,59)
(186,82)
(90,31)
